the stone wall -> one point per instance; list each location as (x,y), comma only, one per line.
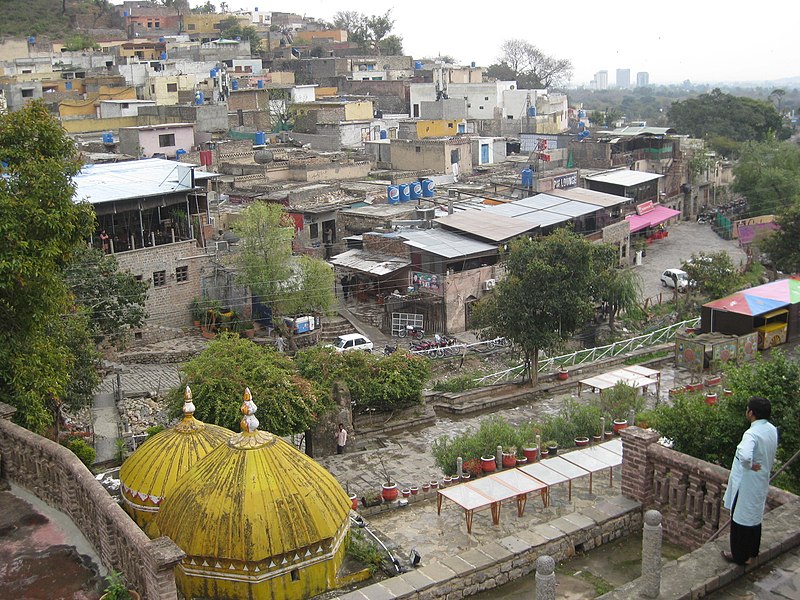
(686,490)
(492,564)
(56,476)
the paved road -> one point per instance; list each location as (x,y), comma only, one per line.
(685,238)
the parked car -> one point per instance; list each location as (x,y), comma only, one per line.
(352,341)
(675,278)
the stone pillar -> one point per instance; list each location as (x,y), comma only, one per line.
(545,578)
(498,457)
(459,466)
(637,467)
(651,554)
(163,556)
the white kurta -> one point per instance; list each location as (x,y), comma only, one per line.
(758,446)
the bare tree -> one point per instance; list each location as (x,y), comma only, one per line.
(530,66)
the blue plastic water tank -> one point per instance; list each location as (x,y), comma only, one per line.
(234,84)
(472,64)
(392,194)
(416,190)
(581,114)
(68,85)
(527,177)
(531,111)
(428,188)
(384,134)
(214,72)
(162,39)
(261,138)
(108,138)
(418,64)
(260,84)
(163,56)
(199,98)
(405,192)
(32,40)
(179,152)
(126,14)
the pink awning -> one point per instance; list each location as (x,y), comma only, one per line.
(658,215)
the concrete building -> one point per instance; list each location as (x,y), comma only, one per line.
(483,99)
(114,109)
(153,140)
(600,81)
(623,78)
(642,79)
(449,156)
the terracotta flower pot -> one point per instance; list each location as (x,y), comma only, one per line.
(521,462)
(619,425)
(562,375)
(465,476)
(488,464)
(711,398)
(552,450)
(354,501)
(727,392)
(447,480)
(389,492)
(426,487)
(608,435)
(530,454)
(596,439)
(580,442)
(509,460)
(434,485)
(406,492)
(414,490)
(545,453)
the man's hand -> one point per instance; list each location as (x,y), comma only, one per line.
(755,467)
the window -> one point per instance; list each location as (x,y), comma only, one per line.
(418,149)
(159,278)
(173,87)
(295,573)
(181,274)
(150,24)
(480,107)
(486,97)
(190,26)
(152,89)
(313,231)
(450,125)
(27,93)
(158,24)
(124,105)
(166,139)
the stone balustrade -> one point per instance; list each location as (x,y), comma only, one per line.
(56,476)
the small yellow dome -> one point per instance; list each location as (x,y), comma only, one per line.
(148,475)
(257,519)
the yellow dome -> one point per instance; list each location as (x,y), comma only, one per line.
(148,475)
(257,519)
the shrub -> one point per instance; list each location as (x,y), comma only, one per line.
(471,445)
(360,549)
(82,450)
(461,383)
(151,431)
(618,401)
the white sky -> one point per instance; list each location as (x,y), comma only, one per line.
(673,40)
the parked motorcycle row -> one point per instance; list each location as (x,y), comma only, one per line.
(733,210)
(441,346)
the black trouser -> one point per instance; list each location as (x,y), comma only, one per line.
(745,539)
(339,449)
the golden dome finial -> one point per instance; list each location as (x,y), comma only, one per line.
(188,405)
(249,422)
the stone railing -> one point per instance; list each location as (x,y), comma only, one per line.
(56,476)
(686,490)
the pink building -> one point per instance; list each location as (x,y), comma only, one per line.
(159,141)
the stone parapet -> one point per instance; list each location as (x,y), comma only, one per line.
(56,476)
(496,563)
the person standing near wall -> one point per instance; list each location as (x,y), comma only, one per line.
(341,438)
(748,483)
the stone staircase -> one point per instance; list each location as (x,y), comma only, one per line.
(334,326)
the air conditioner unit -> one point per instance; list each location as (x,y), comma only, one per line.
(489,284)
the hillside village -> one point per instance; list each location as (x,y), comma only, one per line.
(380,160)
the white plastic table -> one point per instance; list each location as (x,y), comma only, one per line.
(548,476)
(524,484)
(568,469)
(466,498)
(587,462)
(614,446)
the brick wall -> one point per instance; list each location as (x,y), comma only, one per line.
(168,305)
(56,476)
(686,490)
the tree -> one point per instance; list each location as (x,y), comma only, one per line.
(292,286)
(621,289)
(113,300)
(547,294)
(232,28)
(205,9)
(40,226)
(606,118)
(713,273)
(529,66)
(349,20)
(768,175)
(289,403)
(782,246)
(369,32)
(726,116)
(391,45)
(80,41)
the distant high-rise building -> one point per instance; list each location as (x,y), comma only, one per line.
(600,81)
(623,78)
(642,79)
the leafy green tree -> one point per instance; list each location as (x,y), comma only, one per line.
(291,285)
(768,175)
(391,45)
(713,273)
(547,294)
(622,290)
(782,246)
(287,402)
(114,300)
(80,41)
(529,66)
(369,32)
(40,226)
(382,383)
(232,28)
(84,375)
(205,9)
(736,118)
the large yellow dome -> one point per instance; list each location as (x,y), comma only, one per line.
(148,475)
(257,519)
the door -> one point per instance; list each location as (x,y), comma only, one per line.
(462,128)
(484,154)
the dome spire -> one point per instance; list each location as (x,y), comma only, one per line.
(250,437)
(188,405)
(249,423)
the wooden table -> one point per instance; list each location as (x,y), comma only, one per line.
(548,476)
(587,462)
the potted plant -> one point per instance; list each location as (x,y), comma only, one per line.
(619,425)
(510,457)
(552,447)
(562,374)
(196,308)
(248,329)
(581,441)
(530,452)
(488,464)
(388,487)
(353,497)
(116,588)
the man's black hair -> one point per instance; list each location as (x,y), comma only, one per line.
(760,407)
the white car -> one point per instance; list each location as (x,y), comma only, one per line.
(352,341)
(675,278)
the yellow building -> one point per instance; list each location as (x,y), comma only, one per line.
(149,474)
(327,36)
(165,89)
(209,24)
(257,519)
(433,128)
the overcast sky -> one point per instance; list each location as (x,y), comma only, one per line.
(699,40)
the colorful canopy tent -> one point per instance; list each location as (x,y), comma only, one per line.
(750,310)
(658,215)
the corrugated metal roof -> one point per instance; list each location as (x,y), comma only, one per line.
(134,179)
(369,262)
(634,131)
(624,177)
(590,197)
(483,224)
(445,243)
